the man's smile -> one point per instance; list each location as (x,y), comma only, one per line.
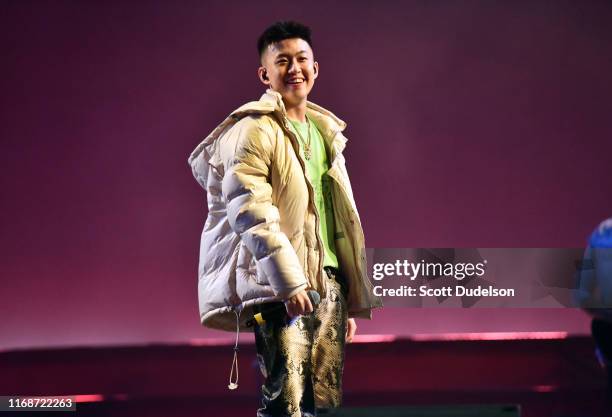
(295,81)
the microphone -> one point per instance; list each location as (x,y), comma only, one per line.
(277,311)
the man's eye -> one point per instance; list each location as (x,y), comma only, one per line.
(281,62)
(302,59)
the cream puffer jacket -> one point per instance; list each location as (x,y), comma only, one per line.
(259,242)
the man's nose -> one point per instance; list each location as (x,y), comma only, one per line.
(293,66)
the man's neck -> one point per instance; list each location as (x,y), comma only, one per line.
(297,112)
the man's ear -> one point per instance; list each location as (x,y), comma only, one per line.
(316,69)
(262,73)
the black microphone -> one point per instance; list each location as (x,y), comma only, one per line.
(277,311)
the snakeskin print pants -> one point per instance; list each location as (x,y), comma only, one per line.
(302,362)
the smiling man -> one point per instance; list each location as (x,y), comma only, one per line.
(282,224)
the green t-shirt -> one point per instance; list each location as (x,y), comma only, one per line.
(316,171)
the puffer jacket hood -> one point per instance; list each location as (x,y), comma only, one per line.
(260,242)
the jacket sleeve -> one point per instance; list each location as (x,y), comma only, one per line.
(246,153)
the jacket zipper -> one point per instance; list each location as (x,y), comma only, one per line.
(361,246)
(351,212)
(311,205)
(352,218)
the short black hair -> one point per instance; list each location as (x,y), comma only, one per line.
(280,31)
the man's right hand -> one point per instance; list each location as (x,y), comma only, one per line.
(298,305)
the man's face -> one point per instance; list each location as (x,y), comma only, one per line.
(289,68)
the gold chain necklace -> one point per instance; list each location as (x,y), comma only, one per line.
(307,149)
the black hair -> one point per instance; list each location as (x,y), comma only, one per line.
(280,31)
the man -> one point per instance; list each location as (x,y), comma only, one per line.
(282,221)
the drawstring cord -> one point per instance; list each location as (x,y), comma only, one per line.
(234,384)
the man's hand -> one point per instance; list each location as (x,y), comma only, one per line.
(298,305)
(351,328)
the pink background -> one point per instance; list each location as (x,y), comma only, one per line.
(471,123)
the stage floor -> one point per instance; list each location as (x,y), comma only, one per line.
(551,377)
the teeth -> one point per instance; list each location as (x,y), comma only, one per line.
(295,82)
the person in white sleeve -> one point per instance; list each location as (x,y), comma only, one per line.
(282,222)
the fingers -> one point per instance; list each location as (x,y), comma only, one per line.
(307,305)
(298,305)
(292,309)
(351,329)
(289,305)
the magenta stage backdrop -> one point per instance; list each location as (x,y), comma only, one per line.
(470,123)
